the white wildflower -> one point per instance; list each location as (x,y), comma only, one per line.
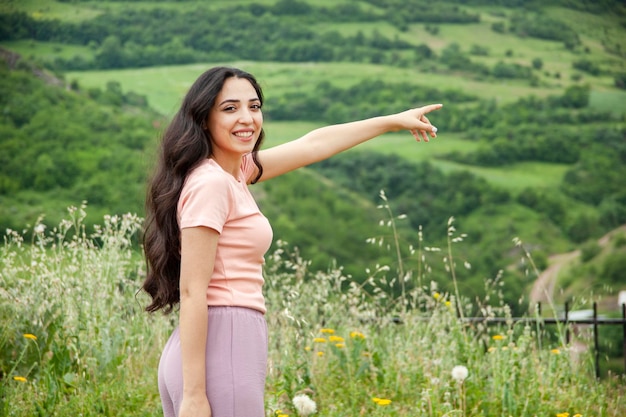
(40,228)
(459,373)
(304,405)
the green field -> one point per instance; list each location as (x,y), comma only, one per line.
(38,9)
(48,51)
(164,86)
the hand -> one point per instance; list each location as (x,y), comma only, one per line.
(194,406)
(416,122)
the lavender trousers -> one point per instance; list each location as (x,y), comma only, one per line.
(236,365)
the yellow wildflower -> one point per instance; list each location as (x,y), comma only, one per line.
(336,339)
(556,352)
(448,304)
(566,414)
(498,337)
(329,331)
(282,415)
(381,401)
(491,349)
(319,340)
(19,378)
(578,415)
(340,345)
(366,354)
(307,348)
(30,336)
(436,296)
(320,354)
(357,335)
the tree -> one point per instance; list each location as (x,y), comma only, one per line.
(620,80)
(111,54)
(576,96)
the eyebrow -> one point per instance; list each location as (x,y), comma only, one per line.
(238,101)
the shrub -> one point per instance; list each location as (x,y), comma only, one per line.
(589,251)
(614,268)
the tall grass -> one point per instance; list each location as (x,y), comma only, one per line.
(75,340)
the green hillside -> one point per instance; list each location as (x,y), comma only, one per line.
(531,138)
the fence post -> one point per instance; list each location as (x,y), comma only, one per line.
(595,338)
(567,335)
(624,335)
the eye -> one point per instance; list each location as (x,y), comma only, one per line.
(256,106)
(229,108)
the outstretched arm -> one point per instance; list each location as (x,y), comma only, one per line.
(325,142)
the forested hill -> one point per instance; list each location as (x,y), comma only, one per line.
(527,86)
(59,147)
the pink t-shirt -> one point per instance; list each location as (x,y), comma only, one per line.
(213,198)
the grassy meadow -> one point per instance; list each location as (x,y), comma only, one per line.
(76,341)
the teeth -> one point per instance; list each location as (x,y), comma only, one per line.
(243,134)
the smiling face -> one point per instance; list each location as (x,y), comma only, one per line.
(235,121)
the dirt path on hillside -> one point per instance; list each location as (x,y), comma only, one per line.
(543,287)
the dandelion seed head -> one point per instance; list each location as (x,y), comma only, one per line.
(459,373)
(304,405)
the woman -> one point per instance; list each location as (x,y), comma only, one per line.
(205,237)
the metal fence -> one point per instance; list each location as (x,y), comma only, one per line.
(595,321)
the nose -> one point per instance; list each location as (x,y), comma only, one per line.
(245,116)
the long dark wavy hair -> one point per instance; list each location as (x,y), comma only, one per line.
(184,145)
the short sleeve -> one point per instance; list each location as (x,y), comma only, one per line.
(206,200)
(248,167)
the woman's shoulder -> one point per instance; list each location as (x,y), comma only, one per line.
(208,174)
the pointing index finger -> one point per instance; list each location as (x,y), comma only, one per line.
(431,107)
